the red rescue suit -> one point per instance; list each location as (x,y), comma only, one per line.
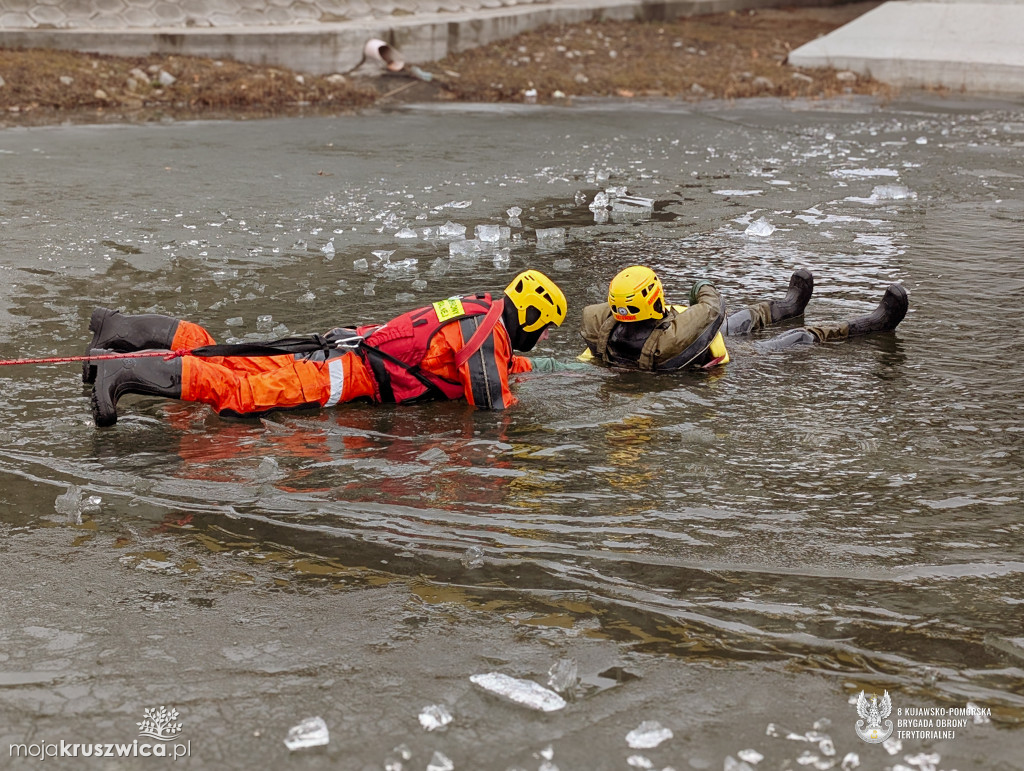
(453,349)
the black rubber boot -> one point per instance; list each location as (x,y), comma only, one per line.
(886,317)
(152,376)
(115,331)
(759,315)
(801,287)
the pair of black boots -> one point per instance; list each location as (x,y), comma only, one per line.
(114,332)
(885,318)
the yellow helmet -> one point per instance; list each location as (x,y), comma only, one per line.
(636,294)
(531,289)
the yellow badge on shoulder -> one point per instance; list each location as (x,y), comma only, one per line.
(448,309)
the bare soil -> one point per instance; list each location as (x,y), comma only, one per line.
(721,56)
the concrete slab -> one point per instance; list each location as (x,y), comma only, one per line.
(325,47)
(969,45)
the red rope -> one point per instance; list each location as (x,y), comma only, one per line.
(167,355)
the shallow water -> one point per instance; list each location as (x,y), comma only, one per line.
(848,511)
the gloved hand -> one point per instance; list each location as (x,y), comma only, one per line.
(548,364)
(695,290)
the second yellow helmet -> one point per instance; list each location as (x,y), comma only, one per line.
(636,294)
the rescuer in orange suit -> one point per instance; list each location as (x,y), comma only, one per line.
(459,348)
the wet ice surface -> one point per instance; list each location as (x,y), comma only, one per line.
(849,513)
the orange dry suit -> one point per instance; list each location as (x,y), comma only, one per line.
(453,349)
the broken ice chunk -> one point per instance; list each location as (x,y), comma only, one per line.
(892,193)
(440,762)
(731,764)
(524,692)
(435,717)
(492,234)
(563,675)
(311,732)
(465,248)
(648,734)
(762,228)
(550,237)
(452,230)
(473,558)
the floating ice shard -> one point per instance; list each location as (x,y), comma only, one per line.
(397,757)
(563,675)
(632,203)
(639,761)
(524,692)
(268,469)
(419,285)
(847,173)
(502,258)
(489,233)
(600,201)
(360,264)
(402,265)
(731,764)
(562,265)
(826,747)
(452,230)
(435,717)
(70,503)
(473,558)
(515,211)
(383,256)
(648,734)
(440,762)
(405,233)
(311,732)
(925,761)
(892,193)
(465,248)
(892,746)
(328,249)
(550,237)
(851,760)
(235,321)
(762,228)
(750,756)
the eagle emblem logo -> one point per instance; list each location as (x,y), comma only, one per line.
(873,711)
